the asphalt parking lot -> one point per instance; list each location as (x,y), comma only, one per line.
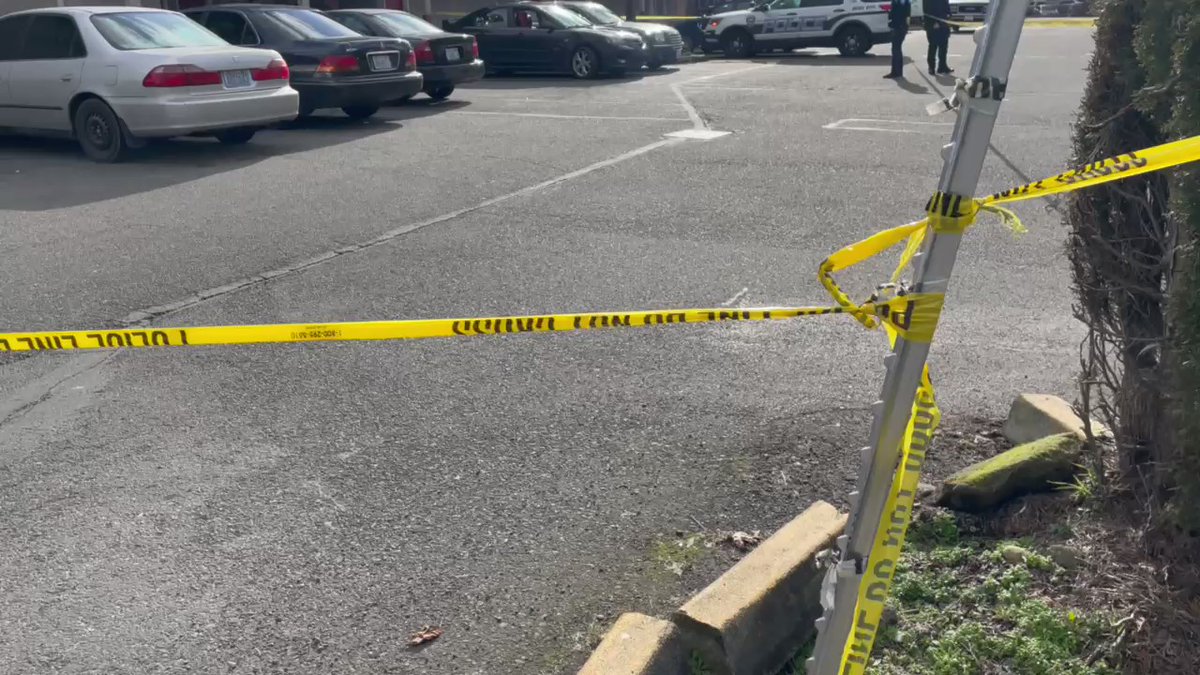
(303,508)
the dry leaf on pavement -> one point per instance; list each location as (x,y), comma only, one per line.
(744,541)
(426,634)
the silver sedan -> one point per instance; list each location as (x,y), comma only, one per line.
(114,76)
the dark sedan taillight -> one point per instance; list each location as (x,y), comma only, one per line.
(475,48)
(277,69)
(410,61)
(184,75)
(423,53)
(338,65)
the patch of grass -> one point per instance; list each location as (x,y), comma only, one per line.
(1085,487)
(678,555)
(940,529)
(697,665)
(963,610)
(559,660)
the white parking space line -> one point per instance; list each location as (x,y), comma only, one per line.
(893,126)
(700,130)
(697,121)
(698,134)
(717,87)
(472,96)
(736,297)
(726,73)
(567,117)
(140,317)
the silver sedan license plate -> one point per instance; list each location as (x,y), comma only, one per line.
(236,79)
(381,62)
(453,54)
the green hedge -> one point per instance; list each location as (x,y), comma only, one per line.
(1135,246)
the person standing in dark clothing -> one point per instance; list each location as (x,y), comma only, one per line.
(937,31)
(898,22)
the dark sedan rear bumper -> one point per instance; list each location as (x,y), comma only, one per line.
(455,74)
(367,90)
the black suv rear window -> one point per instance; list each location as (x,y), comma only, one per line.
(302,24)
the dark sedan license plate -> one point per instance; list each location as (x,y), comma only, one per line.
(381,62)
(236,79)
(453,54)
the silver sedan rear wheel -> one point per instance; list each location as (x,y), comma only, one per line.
(98,130)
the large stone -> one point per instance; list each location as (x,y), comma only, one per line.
(638,645)
(1032,467)
(1065,557)
(1034,416)
(756,615)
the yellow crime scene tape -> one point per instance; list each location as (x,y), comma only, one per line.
(898,312)
(948,215)
(913,316)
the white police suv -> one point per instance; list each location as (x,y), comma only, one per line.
(853,26)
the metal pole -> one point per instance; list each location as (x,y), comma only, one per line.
(960,176)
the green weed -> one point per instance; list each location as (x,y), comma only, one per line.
(963,610)
(1085,487)
(678,555)
(696,664)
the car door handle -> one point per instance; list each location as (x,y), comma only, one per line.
(791,14)
(838,11)
(67,78)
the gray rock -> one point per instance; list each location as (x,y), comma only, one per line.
(1014,555)
(1035,416)
(1032,467)
(925,490)
(890,617)
(1065,557)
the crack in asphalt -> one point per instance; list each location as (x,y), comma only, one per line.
(23,409)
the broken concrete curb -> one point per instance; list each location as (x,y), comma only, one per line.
(1030,467)
(748,622)
(1036,416)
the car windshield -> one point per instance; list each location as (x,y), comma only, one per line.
(404,23)
(565,17)
(307,25)
(153,30)
(596,13)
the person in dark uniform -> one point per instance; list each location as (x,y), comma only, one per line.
(898,21)
(937,31)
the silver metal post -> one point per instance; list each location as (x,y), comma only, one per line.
(960,176)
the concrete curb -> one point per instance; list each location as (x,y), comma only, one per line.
(747,622)
(638,645)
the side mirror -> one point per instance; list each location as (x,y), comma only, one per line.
(761,8)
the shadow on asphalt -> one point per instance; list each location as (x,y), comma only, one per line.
(912,87)
(421,107)
(532,80)
(39,174)
(811,59)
